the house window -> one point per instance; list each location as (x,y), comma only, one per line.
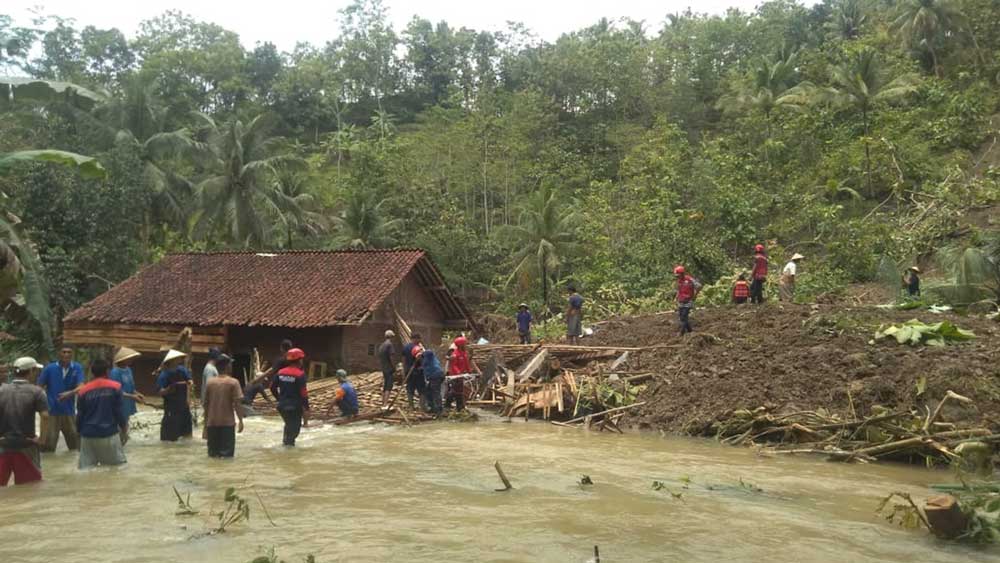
(371,349)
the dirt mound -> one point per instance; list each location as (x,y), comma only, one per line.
(798,357)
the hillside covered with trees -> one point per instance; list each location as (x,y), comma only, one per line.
(857,132)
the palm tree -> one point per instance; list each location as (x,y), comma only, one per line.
(846,19)
(924,24)
(292,197)
(769,80)
(859,83)
(542,238)
(362,224)
(239,193)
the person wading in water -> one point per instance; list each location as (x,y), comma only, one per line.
(173,382)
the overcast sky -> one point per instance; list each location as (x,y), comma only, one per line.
(285,22)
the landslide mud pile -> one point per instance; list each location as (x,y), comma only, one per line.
(792,358)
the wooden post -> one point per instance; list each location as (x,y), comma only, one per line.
(503,477)
(527,405)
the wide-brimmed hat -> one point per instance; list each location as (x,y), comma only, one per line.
(173,355)
(797,256)
(125,353)
(915,269)
(26,363)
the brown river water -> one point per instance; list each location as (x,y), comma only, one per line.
(378,493)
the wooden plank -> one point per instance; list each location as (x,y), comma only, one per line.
(533,365)
(559,397)
(171,329)
(605,412)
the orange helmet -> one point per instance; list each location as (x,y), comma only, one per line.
(759,248)
(461,341)
(678,270)
(417,350)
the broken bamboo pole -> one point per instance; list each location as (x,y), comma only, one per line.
(503,477)
(604,412)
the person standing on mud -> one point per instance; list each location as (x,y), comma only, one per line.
(687,291)
(386,352)
(786,287)
(574,316)
(758,275)
(524,323)
(289,386)
(911,280)
(173,382)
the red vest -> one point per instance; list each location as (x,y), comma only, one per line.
(685,289)
(741,289)
(759,266)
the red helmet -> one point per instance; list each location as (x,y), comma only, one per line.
(417,350)
(294,354)
(679,270)
(759,248)
(461,341)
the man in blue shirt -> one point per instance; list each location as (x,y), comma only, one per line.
(574,316)
(173,380)
(60,381)
(122,374)
(524,323)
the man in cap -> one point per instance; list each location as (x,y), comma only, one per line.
(173,382)
(122,374)
(758,275)
(524,323)
(786,286)
(60,380)
(346,397)
(289,387)
(222,401)
(19,401)
(103,426)
(386,354)
(687,290)
(911,280)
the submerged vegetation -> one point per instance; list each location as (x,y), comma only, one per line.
(853,131)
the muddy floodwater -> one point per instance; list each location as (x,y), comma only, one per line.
(377,493)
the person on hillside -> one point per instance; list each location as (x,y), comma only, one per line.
(173,382)
(911,281)
(223,399)
(345,398)
(758,275)
(210,370)
(458,365)
(122,374)
(289,388)
(687,291)
(61,380)
(741,290)
(101,420)
(524,323)
(19,401)
(434,375)
(786,287)
(414,375)
(574,316)
(386,357)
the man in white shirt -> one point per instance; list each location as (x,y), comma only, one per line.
(786,286)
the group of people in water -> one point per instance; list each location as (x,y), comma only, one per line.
(93,416)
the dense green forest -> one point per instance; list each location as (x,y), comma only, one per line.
(853,131)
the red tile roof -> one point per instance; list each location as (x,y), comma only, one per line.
(296,289)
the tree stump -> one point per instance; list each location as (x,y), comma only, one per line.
(945,516)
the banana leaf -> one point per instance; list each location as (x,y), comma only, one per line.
(88,166)
(914,332)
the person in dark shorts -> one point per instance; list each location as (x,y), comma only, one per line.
(222,402)
(289,387)
(524,323)
(386,355)
(19,401)
(415,383)
(173,382)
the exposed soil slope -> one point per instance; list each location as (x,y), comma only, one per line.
(799,357)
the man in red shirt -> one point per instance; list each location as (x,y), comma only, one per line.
(687,290)
(758,275)
(459,363)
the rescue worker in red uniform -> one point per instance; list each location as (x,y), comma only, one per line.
(758,275)
(458,363)
(687,290)
(741,290)
(289,387)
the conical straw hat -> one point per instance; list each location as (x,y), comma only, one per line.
(173,354)
(125,353)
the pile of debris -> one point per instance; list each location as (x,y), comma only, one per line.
(901,434)
(579,386)
(369,389)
